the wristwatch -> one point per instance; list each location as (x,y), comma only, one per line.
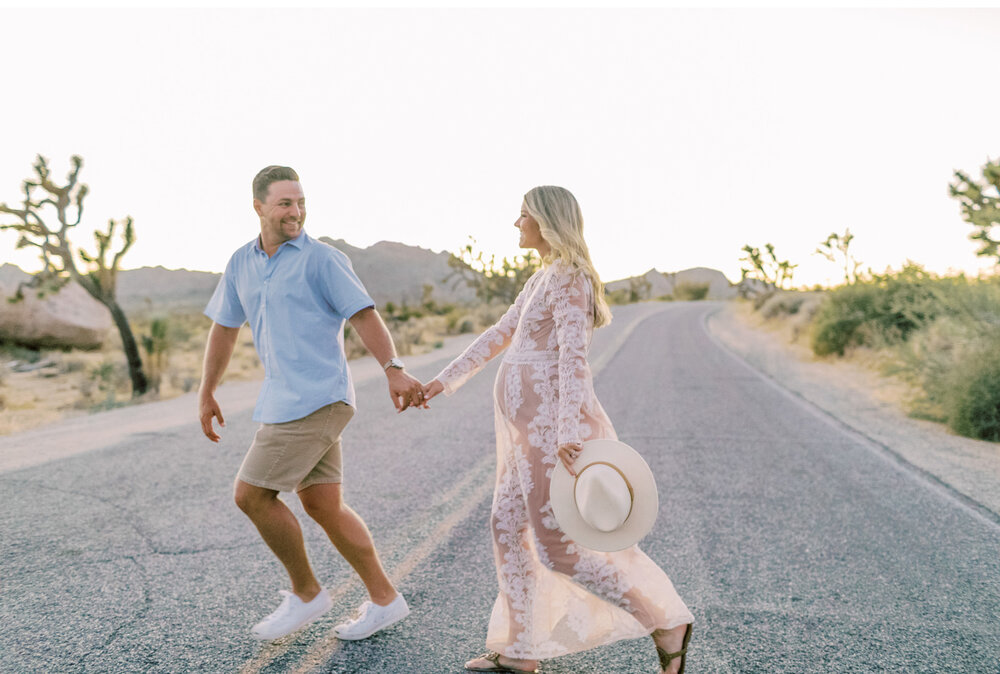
(393,362)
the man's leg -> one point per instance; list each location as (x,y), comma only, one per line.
(280,530)
(348,533)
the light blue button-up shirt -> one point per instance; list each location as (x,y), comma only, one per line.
(296,302)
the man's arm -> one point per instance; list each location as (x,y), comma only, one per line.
(403,389)
(218,351)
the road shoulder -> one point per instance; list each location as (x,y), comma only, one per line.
(76,435)
(864,401)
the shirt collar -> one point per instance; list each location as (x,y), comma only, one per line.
(298,242)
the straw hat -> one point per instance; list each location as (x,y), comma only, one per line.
(611,503)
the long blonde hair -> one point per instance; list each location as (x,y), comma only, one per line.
(560,223)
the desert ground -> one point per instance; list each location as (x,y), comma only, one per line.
(40,387)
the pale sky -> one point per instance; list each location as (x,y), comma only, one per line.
(684,134)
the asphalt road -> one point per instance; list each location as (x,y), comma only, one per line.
(798,545)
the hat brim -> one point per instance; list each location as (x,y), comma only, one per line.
(645,501)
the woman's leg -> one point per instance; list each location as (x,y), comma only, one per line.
(603,574)
(508,524)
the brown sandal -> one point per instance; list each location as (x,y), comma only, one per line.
(665,658)
(497,667)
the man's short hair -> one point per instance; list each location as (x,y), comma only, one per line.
(271,174)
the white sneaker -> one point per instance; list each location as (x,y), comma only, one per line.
(292,615)
(372,618)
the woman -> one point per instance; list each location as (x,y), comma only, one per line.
(556,597)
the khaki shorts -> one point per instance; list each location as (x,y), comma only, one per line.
(297,454)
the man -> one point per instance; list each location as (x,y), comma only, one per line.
(296,292)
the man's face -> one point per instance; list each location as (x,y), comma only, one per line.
(283,212)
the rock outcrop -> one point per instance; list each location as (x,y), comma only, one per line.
(159,289)
(69,318)
(655,284)
(396,272)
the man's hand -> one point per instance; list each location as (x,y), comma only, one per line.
(405,391)
(218,351)
(208,408)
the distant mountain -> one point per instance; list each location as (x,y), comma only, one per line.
(396,272)
(161,289)
(392,272)
(654,284)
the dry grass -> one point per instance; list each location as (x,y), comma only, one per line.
(858,364)
(74,383)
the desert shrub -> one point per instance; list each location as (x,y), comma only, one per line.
(884,310)
(157,345)
(71,365)
(453,320)
(620,296)
(761,298)
(947,359)
(782,304)
(109,377)
(430,306)
(972,394)
(691,291)
(17,352)
(926,361)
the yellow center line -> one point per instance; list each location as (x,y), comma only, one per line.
(469,492)
(466,493)
(279,647)
(323,649)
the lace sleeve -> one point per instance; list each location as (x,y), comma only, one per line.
(569,298)
(486,347)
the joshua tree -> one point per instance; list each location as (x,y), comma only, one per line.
(837,246)
(57,251)
(492,280)
(768,269)
(981,206)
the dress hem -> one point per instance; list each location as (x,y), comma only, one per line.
(626,637)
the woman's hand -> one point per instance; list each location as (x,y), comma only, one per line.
(568,453)
(431,389)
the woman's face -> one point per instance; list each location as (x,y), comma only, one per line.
(531,235)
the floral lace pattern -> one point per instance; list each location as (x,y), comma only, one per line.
(555,597)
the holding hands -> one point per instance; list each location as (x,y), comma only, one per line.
(431,389)
(405,390)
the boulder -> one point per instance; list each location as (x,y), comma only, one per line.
(654,284)
(69,318)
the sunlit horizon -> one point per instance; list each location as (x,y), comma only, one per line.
(685,134)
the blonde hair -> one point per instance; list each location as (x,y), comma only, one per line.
(560,222)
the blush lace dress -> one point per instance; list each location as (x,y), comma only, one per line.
(556,597)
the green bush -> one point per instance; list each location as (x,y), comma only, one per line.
(620,296)
(972,394)
(783,303)
(884,310)
(691,291)
(941,335)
